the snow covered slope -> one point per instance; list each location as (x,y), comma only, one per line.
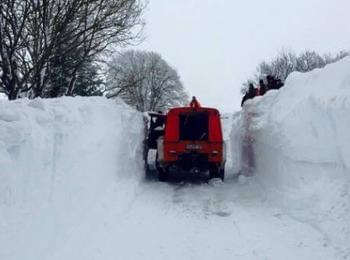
(296,142)
(59,159)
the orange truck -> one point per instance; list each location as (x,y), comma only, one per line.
(189,139)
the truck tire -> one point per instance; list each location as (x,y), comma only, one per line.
(222,174)
(216,172)
(213,172)
(145,159)
(163,175)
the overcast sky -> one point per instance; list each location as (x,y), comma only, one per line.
(216,44)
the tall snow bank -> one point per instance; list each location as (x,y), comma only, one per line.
(57,158)
(296,141)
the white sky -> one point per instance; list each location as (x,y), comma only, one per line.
(215,45)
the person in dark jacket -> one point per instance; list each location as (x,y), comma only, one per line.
(194,103)
(279,84)
(270,82)
(262,87)
(249,94)
(273,82)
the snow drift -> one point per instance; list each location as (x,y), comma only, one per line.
(296,141)
(59,159)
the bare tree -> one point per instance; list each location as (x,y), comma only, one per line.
(308,61)
(144,80)
(13,17)
(38,33)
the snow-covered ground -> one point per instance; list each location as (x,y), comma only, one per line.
(72,185)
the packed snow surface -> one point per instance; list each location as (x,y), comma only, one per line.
(72,184)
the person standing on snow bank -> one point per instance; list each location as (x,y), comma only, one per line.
(273,83)
(194,103)
(262,87)
(279,83)
(270,82)
(251,93)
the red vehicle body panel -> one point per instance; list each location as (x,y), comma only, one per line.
(174,147)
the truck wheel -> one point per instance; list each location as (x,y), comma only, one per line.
(215,172)
(145,160)
(163,175)
(222,174)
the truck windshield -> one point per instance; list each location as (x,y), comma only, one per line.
(194,126)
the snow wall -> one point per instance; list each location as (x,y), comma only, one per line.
(58,158)
(296,143)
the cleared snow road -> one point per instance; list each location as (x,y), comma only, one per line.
(184,220)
